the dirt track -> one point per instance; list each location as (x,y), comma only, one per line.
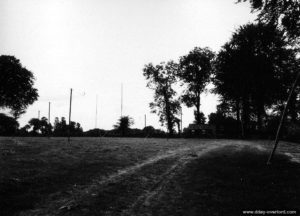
(135,190)
(103,177)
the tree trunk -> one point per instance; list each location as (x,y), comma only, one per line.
(168,115)
(245,117)
(259,120)
(292,107)
(198,117)
(178,125)
(238,117)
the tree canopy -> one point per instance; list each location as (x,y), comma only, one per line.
(282,13)
(253,70)
(8,125)
(40,126)
(162,78)
(16,86)
(123,125)
(61,128)
(195,70)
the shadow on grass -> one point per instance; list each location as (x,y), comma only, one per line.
(229,180)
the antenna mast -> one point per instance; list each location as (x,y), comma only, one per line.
(70,109)
(121,100)
(96,120)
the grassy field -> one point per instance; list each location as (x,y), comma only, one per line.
(134,176)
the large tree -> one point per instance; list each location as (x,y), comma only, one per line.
(253,69)
(35,123)
(161,78)
(61,128)
(8,125)
(123,125)
(285,14)
(16,86)
(195,71)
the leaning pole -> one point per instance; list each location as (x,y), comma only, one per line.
(282,119)
(70,109)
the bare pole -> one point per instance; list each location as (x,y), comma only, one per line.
(121,100)
(49,107)
(39,115)
(145,120)
(49,112)
(282,119)
(96,119)
(181,119)
(70,109)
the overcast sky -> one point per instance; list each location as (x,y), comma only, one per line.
(93,46)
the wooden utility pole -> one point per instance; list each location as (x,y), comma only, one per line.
(39,115)
(282,119)
(121,100)
(49,128)
(96,119)
(69,131)
(49,113)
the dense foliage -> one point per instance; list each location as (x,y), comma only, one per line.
(195,70)
(8,125)
(253,72)
(123,125)
(16,86)
(284,14)
(162,78)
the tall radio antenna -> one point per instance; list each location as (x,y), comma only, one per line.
(121,100)
(96,120)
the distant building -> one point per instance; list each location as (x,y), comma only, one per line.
(200,130)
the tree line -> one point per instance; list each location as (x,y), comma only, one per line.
(252,73)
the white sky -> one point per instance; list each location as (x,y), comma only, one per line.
(93,46)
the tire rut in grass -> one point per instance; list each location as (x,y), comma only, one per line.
(115,196)
(128,191)
(106,193)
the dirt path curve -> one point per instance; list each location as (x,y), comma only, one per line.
(123,192)
(152,195)
(132,190)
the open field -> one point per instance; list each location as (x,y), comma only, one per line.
(134,176)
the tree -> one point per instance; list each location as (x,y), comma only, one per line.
(24,130)
(35,123)
(282,13)
(75,129)
(225,125)
(161,79)
(16,86)
(195,71)
(45,126)
(8,125)
(253,70)
(123,125)
(62,129)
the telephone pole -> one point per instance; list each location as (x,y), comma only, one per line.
(49,127)
(49,113)
(96,111)
(69,132)
(121,100)
(39,115)
(145,120)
